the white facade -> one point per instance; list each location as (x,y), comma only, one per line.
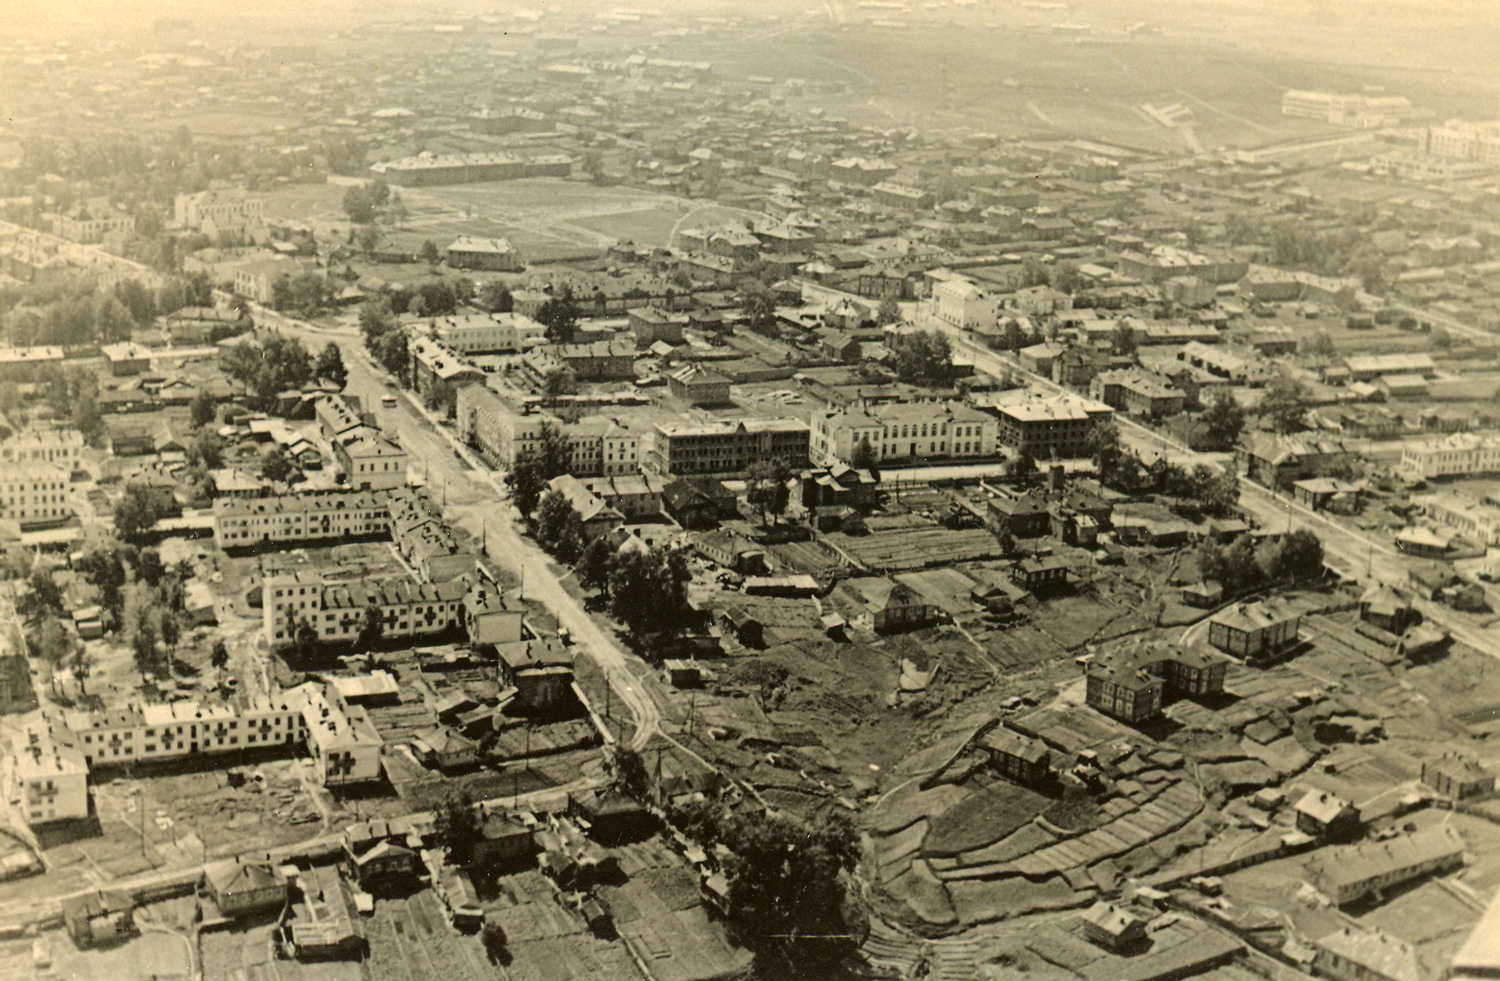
(49,777)
(903,431)
(62,447)
(216,211)
(336,610)
(34,494)
(344,742)
(370,460)
(486,333)
(597,446)
(963,304)
(259,521)
(1460,454)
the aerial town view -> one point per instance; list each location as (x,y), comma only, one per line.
(700,491)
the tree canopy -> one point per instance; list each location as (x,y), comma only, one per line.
(923,357)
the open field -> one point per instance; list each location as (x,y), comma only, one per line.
(542,216)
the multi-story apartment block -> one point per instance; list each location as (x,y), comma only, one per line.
(59,447)
(1458,455)
(425,542)
(597,446)
(432,363)
(49,776)
(903,431)
(1137,393)
(345,744)
(730,447)
(1131,683)
(1164,262)
(336,611)
(1042,425)
(218,211)
(486,333)
(95,224)
(163,732)
(33,494)
(261,522)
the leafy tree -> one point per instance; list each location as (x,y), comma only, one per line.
(560,316)
(570,543)
(889,312)
(456,826)
(398,210)
(43,598)
(368,238)
(1216,491)
(760,307)
(1065,277)
(371,629)
(1104,448)
(923,357)
(766,488)
(394,355)
(1320,345)
(149,568)
(1440,338)
(1284,406)
(552,518)
(1014,336)
(218,656)
(331,365)
(137,300)
(532,470)
(276,465)
(375,321)
(1223,421)
(359,204)
(496,298)
(631,777)
(1123,341)
(136,513)
(202,409)
(855,525)
(206,450)
(787,882)
(647,592)
(560,381)
(594,564)
(429,253)
(105,569)
(51,643)
(270,367)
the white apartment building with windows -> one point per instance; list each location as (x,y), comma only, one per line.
(903,431)
(34,494)
(336,610)
(1458,455)
(49,778)
(61,447)
(597,445)
(174,730)
(486,333)
(262,521)
(216,211)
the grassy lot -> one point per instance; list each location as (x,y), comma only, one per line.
(982,818)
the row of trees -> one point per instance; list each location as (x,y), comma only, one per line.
(383,338)
(923,357)
(1215,492)
(78,312)
(1243,565)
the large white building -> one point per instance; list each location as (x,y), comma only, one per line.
(345,744)
(962,303)
(218,211)
(34,494)
(298,518)
(597,446)
(370,459)
(903,431)
(49,778)
(486,333)
(61,447)
(336,610)
(1458,455)
(1462,140)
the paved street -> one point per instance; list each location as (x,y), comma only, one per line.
(475,498)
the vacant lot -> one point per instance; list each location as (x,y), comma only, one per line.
(982,819)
